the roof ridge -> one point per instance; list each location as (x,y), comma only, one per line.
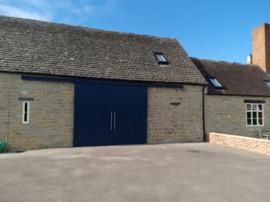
(85,27)
(223,61)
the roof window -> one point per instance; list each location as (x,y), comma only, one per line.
(215,82)
(267,83)
(161,59)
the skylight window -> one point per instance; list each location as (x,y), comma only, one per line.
(215,82)
(267,83)
(161,59)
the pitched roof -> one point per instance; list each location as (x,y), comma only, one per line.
(237,79)
(31,46)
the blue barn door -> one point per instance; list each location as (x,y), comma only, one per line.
(109,115)
(91,115)
(130,107)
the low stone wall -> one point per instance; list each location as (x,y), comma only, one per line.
(246,143)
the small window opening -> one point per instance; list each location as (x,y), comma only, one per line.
(25,112)
(215,82)
(161,59)
(267,83)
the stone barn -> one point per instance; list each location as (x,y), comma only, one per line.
(70,86)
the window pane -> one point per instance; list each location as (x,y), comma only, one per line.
(260,107)
(249,115)
(248,107)
(249,122)
(25,111)
(215,82)
(254,122)
(25,107)
(161,58)
(25,117)
(260,122)
(254,107)
(260,115)
(254,114)
(267,83)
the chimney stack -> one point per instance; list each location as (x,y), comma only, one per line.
(249,59)
(261,46)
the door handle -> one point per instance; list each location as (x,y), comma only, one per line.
(111,122)
(114,125)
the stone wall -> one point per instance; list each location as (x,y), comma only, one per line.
(246,143)
(51,113)
(227,114)
(169,122)
(174,115)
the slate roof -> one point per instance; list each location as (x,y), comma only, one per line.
(38,47)
(237,79)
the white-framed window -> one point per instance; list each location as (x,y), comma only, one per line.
(25,112)
(255,115)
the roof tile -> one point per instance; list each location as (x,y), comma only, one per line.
(56,49)
(237,79)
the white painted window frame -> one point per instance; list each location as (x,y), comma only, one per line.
(257,112)
(27,112)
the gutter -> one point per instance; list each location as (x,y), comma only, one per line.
(203,114)
(7,134)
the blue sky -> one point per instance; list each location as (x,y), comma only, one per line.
(212,29)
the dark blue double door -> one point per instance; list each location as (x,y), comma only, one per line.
(109,115)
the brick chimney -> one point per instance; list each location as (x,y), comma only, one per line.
(261,46)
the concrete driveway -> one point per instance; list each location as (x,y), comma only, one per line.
(173,172)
